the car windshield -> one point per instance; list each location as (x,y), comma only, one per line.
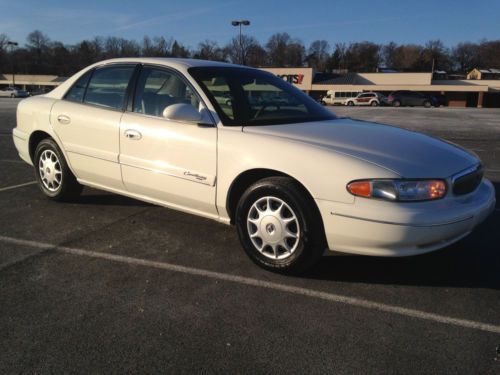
(243,96)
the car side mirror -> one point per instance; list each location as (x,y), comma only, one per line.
(187,113)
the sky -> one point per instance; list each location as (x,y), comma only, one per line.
(192,21)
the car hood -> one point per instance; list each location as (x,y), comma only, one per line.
(407,153)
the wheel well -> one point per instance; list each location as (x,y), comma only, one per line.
(35,139)
(243,182)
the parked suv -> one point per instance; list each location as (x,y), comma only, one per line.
(367,98)
(411,98)
(13,92)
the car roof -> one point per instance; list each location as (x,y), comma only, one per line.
(176,63)
(168,61)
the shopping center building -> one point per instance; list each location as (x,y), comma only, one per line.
(481,88)
(458,92)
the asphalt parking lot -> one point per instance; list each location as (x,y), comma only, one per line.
(110,284)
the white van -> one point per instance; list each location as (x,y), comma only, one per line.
(338,97)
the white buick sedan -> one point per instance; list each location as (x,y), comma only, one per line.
(291,177)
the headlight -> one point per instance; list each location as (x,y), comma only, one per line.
(398,190)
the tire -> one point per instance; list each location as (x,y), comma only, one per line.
(427,104)
(396,103)
(260,232)
(374,104)
(350,103)
(12,95)
(52,173)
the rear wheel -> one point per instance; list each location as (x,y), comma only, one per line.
(52,173)
(279,226)
(427,104)
(396,103)
(374,103)
(12,95)
(350,103)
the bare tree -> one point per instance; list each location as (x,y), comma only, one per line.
(256,55)
(162,46)
(236,51)
(282,50)
(363,57)
(3,41)
(435,55)
(465,56)
(318,55)
(489,54)
(209,50)
(40,55)
(178,50)
(37,42)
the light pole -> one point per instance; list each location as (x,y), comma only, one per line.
(241,23)
(12,45)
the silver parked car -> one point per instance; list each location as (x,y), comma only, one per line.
(13,92)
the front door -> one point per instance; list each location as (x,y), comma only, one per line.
(87,123)
(168,161)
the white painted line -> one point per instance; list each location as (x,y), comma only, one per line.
(331,297)
(17,186)
(13,161)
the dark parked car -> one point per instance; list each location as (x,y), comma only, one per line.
(442,100)
(411,98)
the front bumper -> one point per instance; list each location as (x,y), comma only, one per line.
(380,228)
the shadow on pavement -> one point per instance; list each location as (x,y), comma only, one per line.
(105,199)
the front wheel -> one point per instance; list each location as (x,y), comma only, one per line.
(374,104)
(427,104)
(52,173)
(396,103)
(350,103)
(279,227)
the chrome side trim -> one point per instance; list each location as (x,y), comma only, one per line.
(403,224)
(185,175)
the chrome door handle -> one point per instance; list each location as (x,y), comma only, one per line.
(132,134)
(63,119)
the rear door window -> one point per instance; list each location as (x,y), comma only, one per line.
(108,86)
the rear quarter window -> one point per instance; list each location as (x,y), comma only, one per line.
(77,91)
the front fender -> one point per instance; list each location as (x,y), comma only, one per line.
(323,172)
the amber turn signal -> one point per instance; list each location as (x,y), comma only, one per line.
(360,188)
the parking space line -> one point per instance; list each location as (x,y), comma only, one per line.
(330,297)
(13,161)
(17,186)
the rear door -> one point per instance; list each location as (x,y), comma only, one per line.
(168,161)
(87,123)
